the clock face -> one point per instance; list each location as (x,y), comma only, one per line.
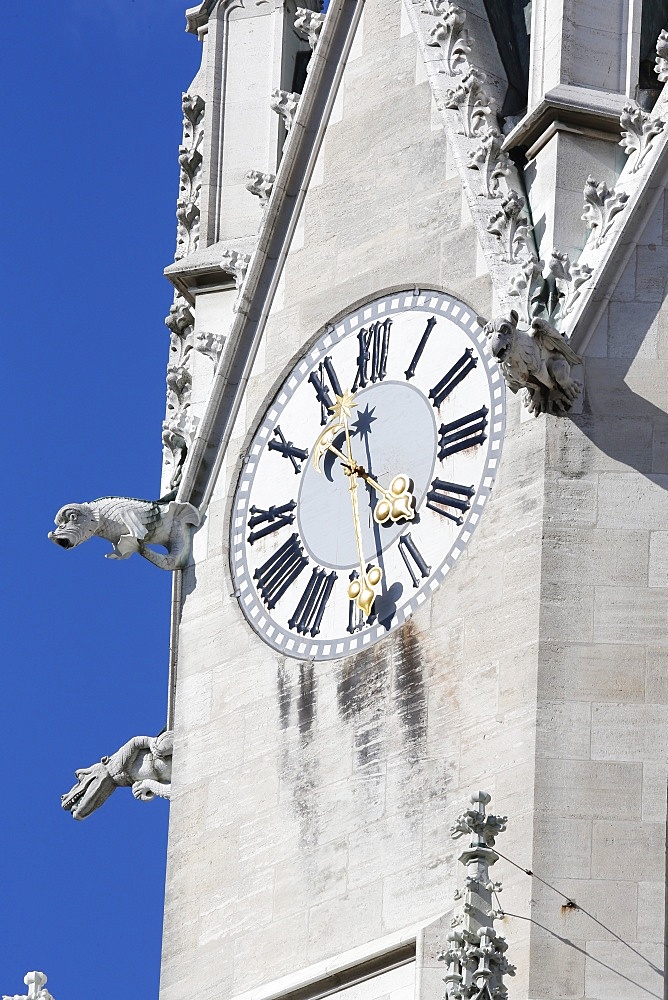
(367,475)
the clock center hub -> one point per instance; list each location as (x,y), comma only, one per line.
(393,431)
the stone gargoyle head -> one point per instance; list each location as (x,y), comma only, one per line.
(500,333)
(93,788)
(75,524)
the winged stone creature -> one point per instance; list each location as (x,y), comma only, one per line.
(144,764)
(537,360)
(131,525)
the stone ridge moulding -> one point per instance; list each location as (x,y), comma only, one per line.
(131,525)
(144,764)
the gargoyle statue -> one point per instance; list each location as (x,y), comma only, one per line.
(130,525)
(537,360)
(144,763)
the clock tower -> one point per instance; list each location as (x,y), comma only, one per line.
(417,397)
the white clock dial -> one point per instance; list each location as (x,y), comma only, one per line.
(369,472)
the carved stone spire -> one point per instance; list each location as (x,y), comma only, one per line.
(36,982)
(475,953)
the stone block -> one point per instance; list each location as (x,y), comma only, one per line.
(571,501)
(588,672)
(341,923)
(562,729)
(567,613)
(557,967)
(656,684)
(585,788)
(651,912)
(633,330)
(632,500)
(630,614)
(654,784)
(285,940)
(629,732)
(613,972)
(658,559)
(626,850)
(651,266)
(595,557)
(562,850)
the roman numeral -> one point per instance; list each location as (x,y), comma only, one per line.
(272,519)
(431,323)
(440,497)
(411,556)
(308,613)
(374,343)
(463,433)
(318,381)
(280,570)
(288,450)
(355,614)
(457,373)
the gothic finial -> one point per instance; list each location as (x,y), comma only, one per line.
(36,983)
(511,227)
(491,161)
(475,953)
(472,101)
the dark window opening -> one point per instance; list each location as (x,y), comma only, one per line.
(302,60)
(510,21)
(654,18)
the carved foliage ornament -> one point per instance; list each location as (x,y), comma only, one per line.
(144,764)
(131,526)
(602,205)
(179,426)
(236,263)
(551,296)
(308,25)
(661,62)
(492,163)
(471,100)
(537,361)
(452,36)
(260,185)
(511,227)
(190,179)
(284,103)
(639,131)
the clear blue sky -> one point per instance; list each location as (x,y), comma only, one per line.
(92,126)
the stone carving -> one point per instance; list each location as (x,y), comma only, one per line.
(285,104)
(144,764)
(601,207)
(177,436)
(490,160)
(308,25)
(190,179)
(475,954)
(36,983)
(474,104)
(210,344)
(260,184)
(511,228)
(639,131)
(237,264)
(661,61)
(551,296)
(180,323)
(452,36)
(131,526)
(537,360)
(435,7)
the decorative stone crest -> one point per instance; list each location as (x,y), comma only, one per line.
(260,184)
(36,983)
(190,179)
(473,103)
(284,103)
(490,160)
(475,953)
(602,205)
(178,433)
(131,526)
(452,36)
(639,131)
(210,344)
(661,61)
(236,263)
(569,279)
(511,227)
(537,361)
(308,25)
(144,764)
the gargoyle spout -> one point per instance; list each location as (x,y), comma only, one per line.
(131,526)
